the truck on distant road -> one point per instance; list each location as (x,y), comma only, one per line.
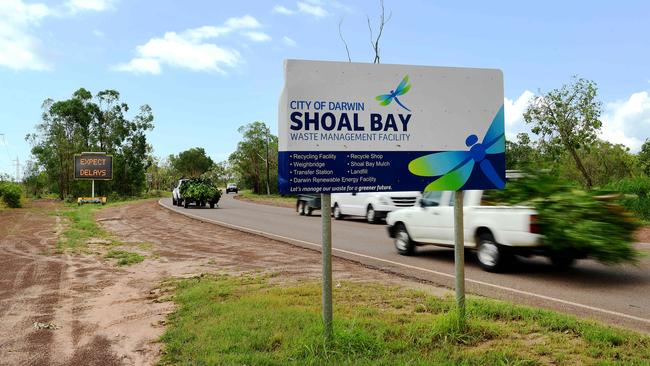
(200,192)
(307,203)
(497,233)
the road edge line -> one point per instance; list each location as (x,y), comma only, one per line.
(300,243)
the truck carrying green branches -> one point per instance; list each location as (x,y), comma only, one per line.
(574,221)
(198,191)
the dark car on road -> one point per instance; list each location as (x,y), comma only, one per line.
(232,187)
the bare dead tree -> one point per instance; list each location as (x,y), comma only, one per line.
(383,20)
(374,42)
(347,50)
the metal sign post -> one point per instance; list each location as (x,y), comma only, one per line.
(93,189)
(326,214)
(459,256)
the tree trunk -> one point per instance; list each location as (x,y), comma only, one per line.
(581,167)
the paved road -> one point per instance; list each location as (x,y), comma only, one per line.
(618,295)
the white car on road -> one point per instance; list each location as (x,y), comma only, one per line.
(177,200)
(374,206)
(495,232)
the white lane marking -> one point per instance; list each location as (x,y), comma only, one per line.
(482,283)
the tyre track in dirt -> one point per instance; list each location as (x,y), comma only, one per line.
(113,316)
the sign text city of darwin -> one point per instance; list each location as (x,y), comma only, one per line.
(354,127)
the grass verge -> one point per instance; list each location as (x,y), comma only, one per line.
(247,320)
(82,228)
(273,199)
(124,258)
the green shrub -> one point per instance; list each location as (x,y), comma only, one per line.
(11,193)
(637,195)
(574,220)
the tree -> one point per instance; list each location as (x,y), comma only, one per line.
(220,172)
(521,153)
(605,162)
(249,162)
(567,119)
(644,157)
(83,123)
(191,163)
(160,174)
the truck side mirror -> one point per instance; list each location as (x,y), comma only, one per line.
(427,203)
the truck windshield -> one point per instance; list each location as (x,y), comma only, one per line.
(431,198)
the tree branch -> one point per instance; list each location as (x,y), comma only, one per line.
(374,42)
(347,50)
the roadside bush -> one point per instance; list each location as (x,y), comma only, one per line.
(637,195)
(574,220)
(11,193)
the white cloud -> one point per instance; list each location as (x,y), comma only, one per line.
(94,5)
(179,50)
(245,22)
(288,41)
(628,121)
(191,50)
(18,48)
(283,10)
(141,66)
(312,9)
(514,113)
(97,33)
(257,36)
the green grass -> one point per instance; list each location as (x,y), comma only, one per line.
(224,320)
(81,227)
(264,198)
(124,258)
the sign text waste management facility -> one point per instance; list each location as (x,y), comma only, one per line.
(354,127)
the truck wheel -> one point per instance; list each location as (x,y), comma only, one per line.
(371,215)
(491,256)
(309,210)
(301,208)
(562,260)
(403,242)
(337,212)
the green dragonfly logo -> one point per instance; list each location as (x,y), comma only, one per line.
(402,88)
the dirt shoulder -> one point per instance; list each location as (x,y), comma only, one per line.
(109,315)
(643,235)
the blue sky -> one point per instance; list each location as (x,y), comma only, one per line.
(208,67)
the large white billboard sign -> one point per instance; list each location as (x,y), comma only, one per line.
(356,127)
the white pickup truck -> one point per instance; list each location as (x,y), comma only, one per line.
(374,206)
(495,232)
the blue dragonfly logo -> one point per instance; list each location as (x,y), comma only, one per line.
(454,168)
(402,88)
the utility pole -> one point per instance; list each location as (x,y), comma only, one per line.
(268,176)
(17,169)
